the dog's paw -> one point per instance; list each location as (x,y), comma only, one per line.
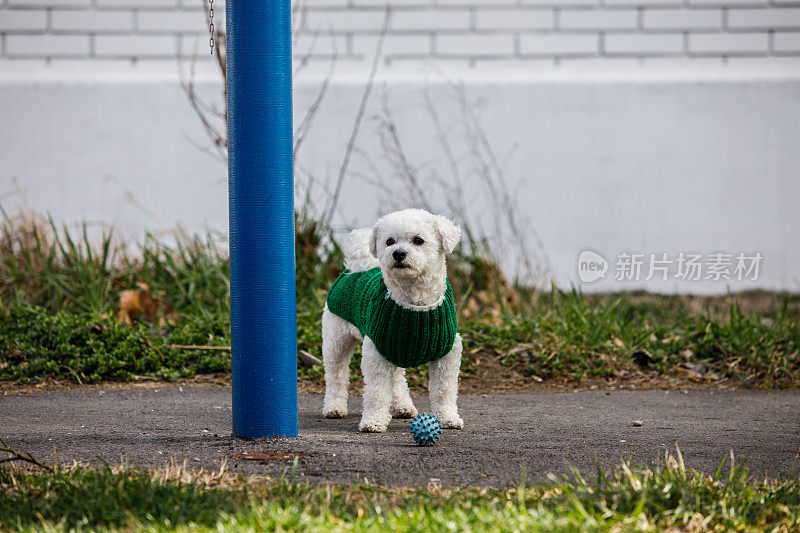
(334,410)
(334,413)
(405,411)
(451,421)
(371,426)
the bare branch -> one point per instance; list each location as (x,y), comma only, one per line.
(305,125)
(456,200)
(218,138)
(359,116)
(306,57)
(16,455)
(214,119)
(395,154)
(299,11)
(499,190)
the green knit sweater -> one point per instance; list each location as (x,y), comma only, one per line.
(406,337)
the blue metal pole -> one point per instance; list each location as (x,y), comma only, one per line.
(261,196)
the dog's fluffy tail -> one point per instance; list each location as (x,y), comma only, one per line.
(357,255)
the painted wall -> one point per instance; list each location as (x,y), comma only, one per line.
(631,128)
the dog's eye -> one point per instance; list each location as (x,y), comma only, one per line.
(390,241)
(417,241)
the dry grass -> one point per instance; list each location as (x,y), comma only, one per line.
(669,496)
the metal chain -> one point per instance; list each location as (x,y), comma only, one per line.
(211,25)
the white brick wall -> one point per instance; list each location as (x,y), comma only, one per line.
(787,43)
(634,43)
(419,30)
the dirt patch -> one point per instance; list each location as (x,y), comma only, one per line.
(137,382)
(490,378)
(759,302)
(268,456)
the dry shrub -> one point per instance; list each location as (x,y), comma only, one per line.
(22,235)
(482,287)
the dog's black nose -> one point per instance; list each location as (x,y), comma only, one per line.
(399,255)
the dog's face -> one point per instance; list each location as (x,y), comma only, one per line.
(412,242)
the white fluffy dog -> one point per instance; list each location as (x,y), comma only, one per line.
(400,263)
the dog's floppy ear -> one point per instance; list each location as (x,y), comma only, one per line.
(449,233)
(373,242)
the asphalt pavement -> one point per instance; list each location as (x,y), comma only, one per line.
(504,434)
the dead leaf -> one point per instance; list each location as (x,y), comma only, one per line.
(698,370)
(520,348)
(140,303)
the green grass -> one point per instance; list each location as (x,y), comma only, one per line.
(58,297)
(565,338)
(567,335)
(38,344)
(627,498)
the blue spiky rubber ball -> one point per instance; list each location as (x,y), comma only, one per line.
(426,429)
